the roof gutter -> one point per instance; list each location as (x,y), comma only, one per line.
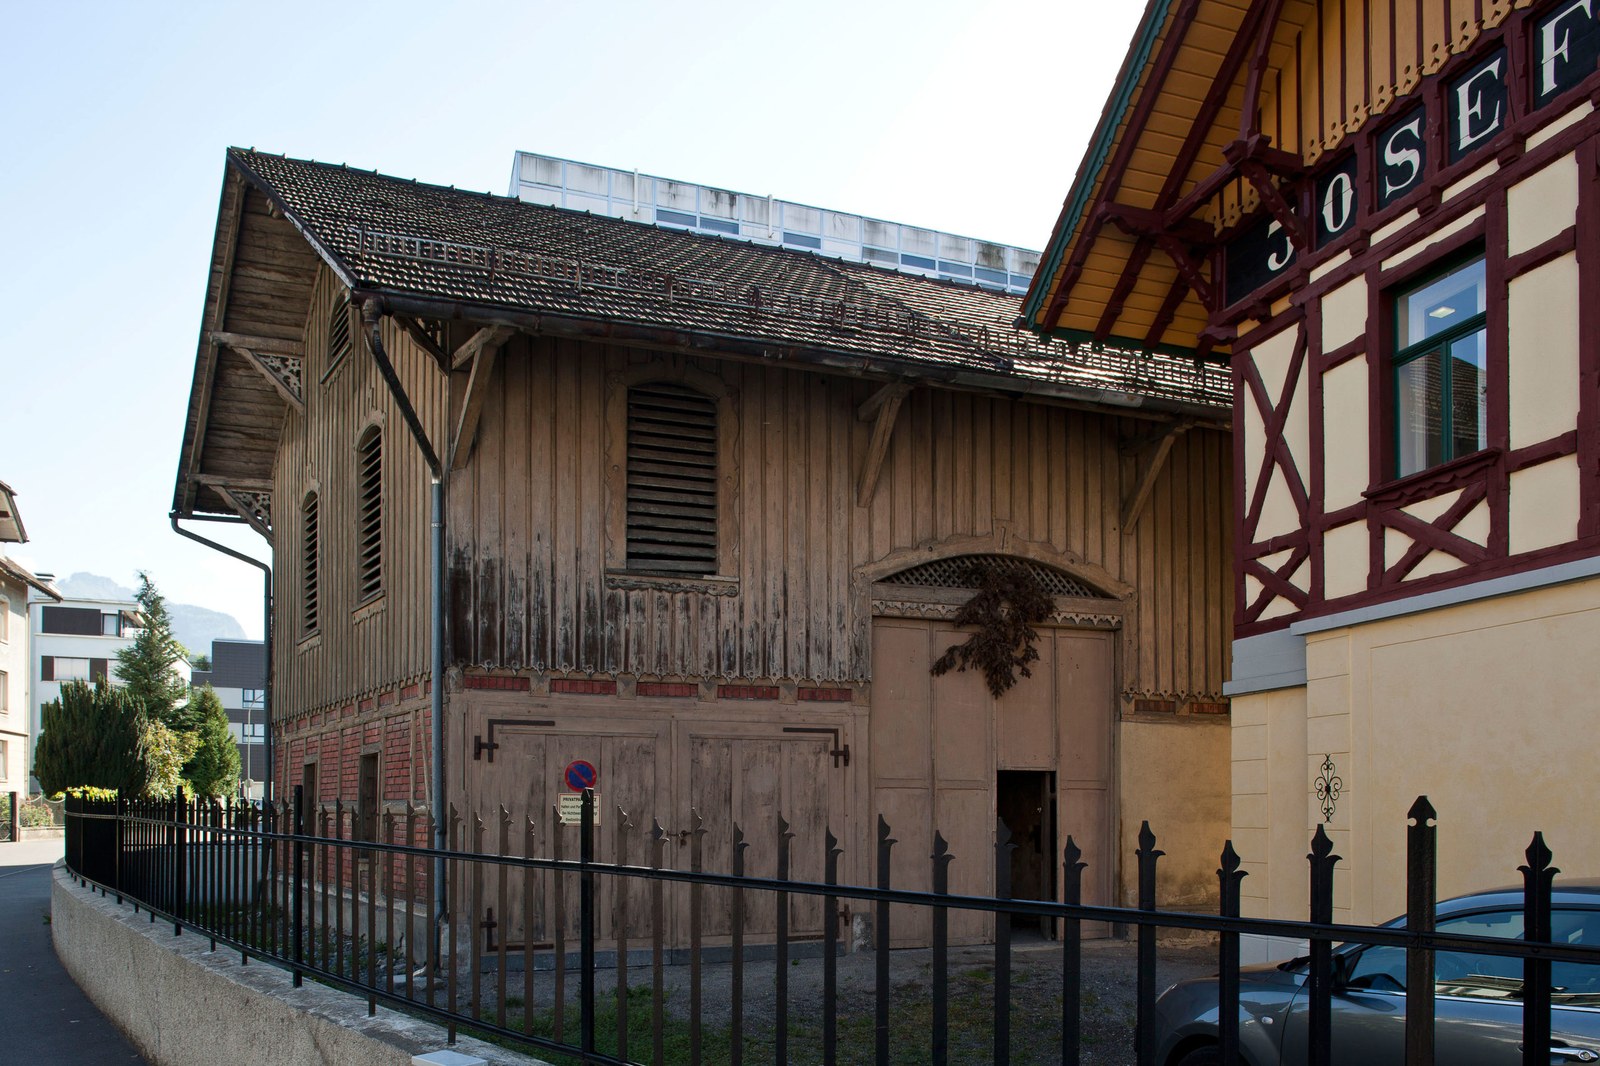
(266,622)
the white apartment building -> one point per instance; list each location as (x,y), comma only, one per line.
(78,640)
(16,586)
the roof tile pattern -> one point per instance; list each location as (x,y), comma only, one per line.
(429,242)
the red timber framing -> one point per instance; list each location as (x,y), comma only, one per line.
(1481,477)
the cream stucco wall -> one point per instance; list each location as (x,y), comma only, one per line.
(1487,708)
(1174,774)
(14,696)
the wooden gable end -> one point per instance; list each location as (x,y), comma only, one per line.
(247,372)
(1228,113)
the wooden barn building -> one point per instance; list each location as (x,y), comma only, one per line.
(1386,217)
(710,510)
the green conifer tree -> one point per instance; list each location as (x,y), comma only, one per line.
(147,668)
(213,770)
(97,736)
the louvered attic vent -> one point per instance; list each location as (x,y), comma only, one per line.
(308,565)
(369,519)
(672,480)
(338,337)
(956,572)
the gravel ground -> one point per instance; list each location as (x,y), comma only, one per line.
(1108,1003)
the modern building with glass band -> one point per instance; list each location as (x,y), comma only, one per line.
(628,194)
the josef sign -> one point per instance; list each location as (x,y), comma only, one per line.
(570,806)
(1476,106)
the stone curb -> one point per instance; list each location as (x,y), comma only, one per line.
(182,1004)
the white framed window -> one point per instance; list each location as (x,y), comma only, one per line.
(5,760)
(65,668)
(5,692)
(5,620)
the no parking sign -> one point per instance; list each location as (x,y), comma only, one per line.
(581,774)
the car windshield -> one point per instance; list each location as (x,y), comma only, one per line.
(1382,968)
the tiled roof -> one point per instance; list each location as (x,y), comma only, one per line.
(403,238)
(23,576)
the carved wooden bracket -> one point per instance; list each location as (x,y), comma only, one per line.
(1133,506)
(884,406)
(484,350)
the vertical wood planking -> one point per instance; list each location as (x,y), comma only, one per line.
(529,518)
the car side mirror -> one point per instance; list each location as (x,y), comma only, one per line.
(1343,963)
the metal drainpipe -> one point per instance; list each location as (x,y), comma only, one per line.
(266,622)
(370,312)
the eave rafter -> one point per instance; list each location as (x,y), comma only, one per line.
(250,499)
(276,360)
(1170,223)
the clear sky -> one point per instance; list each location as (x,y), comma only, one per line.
(968,117)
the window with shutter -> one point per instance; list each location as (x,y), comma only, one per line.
(672,480)
(308,564)
(369,515)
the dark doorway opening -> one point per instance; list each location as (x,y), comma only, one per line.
(308,796)
(1026,802)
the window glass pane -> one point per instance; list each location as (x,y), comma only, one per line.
(1441,304)
(71,669)
(1469,388)
(1418,415)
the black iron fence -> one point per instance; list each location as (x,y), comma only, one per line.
(489,936)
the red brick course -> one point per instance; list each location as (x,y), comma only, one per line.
(666,688)
(747,692)
(500,684)
(578,686)
(825,695)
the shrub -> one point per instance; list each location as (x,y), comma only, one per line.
(96,736)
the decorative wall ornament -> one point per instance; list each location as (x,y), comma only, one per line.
(1009,602)
(1061,616)
(1329,785)
(253,506)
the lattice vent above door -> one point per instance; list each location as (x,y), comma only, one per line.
(957,571)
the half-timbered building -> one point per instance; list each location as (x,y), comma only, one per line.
(1385,215)
(711,509)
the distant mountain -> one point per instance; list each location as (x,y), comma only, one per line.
(195,627)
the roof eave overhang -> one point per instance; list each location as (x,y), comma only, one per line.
(712,342)
(236,174)
(1157,15)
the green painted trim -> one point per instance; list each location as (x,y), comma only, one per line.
(1099,149)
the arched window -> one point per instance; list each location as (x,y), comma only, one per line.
(369,515)
(672,480)
(308,564)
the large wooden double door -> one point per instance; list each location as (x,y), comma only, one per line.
(947,756)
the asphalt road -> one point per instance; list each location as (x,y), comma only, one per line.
(44,1017)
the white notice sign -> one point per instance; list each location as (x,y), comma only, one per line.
(570,804)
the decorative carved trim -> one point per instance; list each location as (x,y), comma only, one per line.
(255,507)
(707,586)
(282,371)
(1064,616)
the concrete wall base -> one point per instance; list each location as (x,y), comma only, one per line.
(182,1004)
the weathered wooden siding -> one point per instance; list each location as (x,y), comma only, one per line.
(533,530)
(359,648)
